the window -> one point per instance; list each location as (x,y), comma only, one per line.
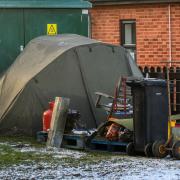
(128,36)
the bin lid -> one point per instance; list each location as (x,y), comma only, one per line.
(148,82)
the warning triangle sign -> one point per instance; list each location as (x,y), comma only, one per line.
(52,29)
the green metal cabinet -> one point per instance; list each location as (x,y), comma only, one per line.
(36,21)
(21,21)
(11,36)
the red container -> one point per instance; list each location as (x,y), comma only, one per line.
(47,115)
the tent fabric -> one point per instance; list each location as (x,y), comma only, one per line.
(66,65)
(127,123)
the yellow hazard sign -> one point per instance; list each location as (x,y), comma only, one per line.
(52,29)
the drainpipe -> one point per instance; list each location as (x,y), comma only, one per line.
(169,64)
(170,39)
(89,26)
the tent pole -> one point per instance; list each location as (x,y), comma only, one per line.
(86,88)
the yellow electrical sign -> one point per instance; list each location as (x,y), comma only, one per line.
(52,29)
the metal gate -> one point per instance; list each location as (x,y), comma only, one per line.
(174,76)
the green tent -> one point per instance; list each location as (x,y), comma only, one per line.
(66,65)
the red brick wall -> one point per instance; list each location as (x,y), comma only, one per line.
(152,32)
(175,32)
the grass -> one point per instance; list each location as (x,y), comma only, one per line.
(13,156)
(10,156)
(22,139)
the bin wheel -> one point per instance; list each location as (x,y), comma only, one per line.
(148,150)
(176,150)
(130,149)
(171,154)
(159,149)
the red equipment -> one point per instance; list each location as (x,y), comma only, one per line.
(113,132)
(47,115)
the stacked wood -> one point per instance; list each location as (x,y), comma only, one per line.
(58,122)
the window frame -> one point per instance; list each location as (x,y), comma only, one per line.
(122,34)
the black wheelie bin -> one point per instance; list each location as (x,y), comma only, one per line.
(150,117)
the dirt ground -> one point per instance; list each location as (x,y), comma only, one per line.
(70,164)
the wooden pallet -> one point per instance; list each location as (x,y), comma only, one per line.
(105,145)
(41,136)
(74,141)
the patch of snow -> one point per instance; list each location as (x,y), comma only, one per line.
(83,132)
(116,167)
(122,167)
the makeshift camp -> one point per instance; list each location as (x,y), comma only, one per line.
(67,65)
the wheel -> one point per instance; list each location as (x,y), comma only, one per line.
(176,150)
(148,150)
(159,149)
(171,154)
(130,149)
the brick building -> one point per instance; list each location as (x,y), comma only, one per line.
(149,29)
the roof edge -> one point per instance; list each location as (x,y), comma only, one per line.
(79,4)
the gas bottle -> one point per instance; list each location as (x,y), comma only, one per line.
(47,115)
